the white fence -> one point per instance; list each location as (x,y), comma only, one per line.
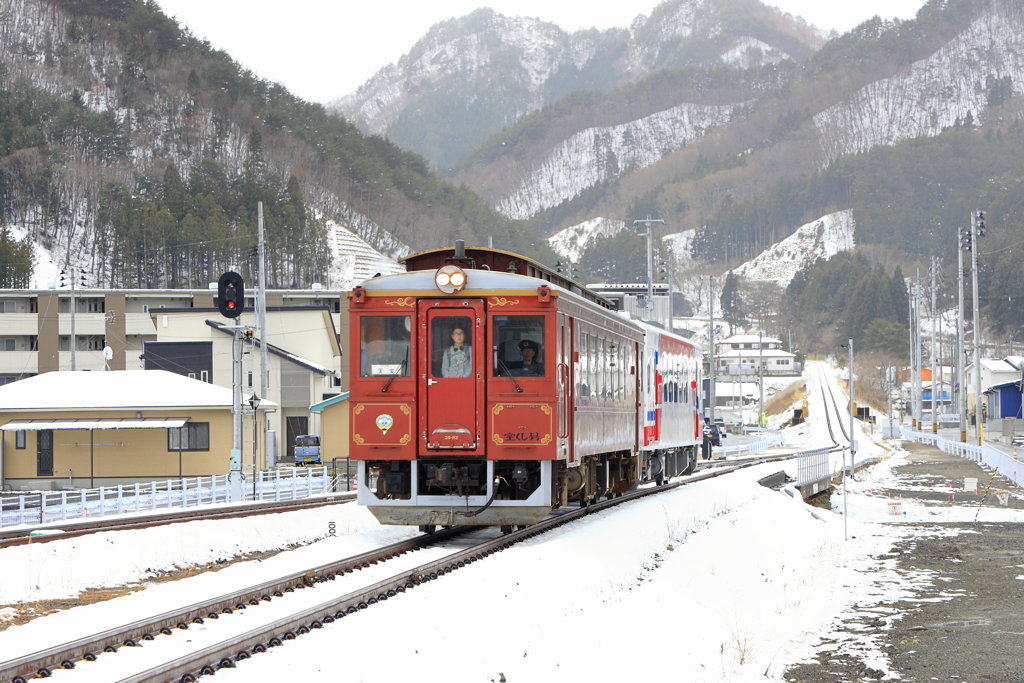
(986,453)
(814,465)
(40,508)
(769,439)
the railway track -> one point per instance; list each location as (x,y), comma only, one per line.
(275,631)
(71,529)
(826,396)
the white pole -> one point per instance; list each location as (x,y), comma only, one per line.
(978,417)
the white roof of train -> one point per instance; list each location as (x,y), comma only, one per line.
(491,281)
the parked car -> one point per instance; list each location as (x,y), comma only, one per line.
(716,435)
(307,450)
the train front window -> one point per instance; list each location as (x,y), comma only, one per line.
(519,345)
(451,338)
(384,345)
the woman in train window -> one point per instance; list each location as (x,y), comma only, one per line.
(458,358)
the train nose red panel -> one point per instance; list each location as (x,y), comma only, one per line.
(451,375)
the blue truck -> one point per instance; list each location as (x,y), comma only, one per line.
(307,450)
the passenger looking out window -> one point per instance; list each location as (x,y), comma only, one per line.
(458,358)
(451,351)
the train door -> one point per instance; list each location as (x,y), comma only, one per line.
(451,368)
(566,387)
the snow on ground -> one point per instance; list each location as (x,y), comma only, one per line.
(46,273)
(823,238)
(572,242)
(722,580)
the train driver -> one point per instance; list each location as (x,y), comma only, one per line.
(458,358)
(531,363)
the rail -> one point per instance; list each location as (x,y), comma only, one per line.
(44,507)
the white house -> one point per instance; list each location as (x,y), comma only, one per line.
(741,354)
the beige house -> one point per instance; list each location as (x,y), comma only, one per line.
(333,428)
(89,429)
(181,331)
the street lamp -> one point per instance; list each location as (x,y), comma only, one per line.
(254,401)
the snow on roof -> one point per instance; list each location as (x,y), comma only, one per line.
(749,339)
(997,365)
(119,389)
(754,353)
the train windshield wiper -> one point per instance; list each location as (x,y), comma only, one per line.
(509,374)
(396,373)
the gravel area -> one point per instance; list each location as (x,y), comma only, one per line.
(969,626)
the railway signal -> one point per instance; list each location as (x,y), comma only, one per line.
(231,294)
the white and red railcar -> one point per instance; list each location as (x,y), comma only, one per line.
(451,422)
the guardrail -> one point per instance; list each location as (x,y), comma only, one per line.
(986,453)
(813,466)
(771,439)
(277,485)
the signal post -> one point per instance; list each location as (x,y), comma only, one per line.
(231,302)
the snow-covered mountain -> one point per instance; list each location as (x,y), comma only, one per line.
(823,238)
(572,242)
(931,94)
(471,76)
(598,154)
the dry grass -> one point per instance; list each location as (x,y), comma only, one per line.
(24,612)
(781,401)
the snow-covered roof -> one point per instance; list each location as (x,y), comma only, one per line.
(997,365)
(749,339)
(755,353)
(119,389)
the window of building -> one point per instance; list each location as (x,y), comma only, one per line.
(6,343)
(782,361)
(91,342)
(95,306)
(33,305)
(248,379)
(6,379)
(19,438)
(7,307)
(194,436)
(204,375)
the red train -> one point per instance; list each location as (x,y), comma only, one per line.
(488,390)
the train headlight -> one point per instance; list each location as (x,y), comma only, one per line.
(450,279)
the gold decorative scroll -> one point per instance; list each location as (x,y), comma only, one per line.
(501,301)
(405,301)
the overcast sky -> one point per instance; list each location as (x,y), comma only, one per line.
(322,50)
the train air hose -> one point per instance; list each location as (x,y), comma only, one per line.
(494,494)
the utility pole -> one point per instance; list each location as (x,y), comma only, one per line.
(264,380)
(760,376)
(915,351)
(977,230)
(853,440)
(711,338)
(650,261)
(961,396)
(935,354)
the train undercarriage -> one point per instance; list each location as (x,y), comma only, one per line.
(459,491)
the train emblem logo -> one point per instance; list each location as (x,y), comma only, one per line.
(384,423)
